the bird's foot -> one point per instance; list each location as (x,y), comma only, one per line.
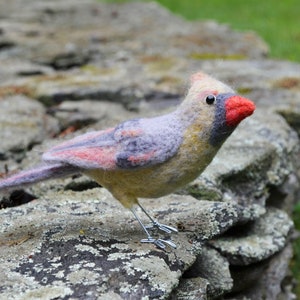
(160,243)
(162,227)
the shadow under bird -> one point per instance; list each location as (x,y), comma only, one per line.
(149,157)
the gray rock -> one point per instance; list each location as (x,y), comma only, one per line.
(85,243)
(17,68)
(23,124)
(274,279)
(117,24)
(86,112)
(214,268)
(260,240)
(123,65)
(192,289)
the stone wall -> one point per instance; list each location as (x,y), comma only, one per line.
(71,66)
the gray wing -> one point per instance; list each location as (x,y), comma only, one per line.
(146,142)
(132,144)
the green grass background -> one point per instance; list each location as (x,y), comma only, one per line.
(277,22)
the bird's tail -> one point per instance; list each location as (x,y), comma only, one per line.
(37,174)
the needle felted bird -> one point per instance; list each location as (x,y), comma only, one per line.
(149,157)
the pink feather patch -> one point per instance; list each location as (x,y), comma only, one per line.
(141,158)
(89,157)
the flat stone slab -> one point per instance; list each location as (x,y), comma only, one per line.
(262,239)
(85,243)
(23,124)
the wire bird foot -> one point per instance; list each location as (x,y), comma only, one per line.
(162,227)
(160,243)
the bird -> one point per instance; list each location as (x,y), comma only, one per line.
(149,157)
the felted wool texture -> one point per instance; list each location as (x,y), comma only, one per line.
(39,173)
(194,154)
(237,109)
(150,157)
(132,144)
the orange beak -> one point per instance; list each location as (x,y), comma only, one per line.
(237,109)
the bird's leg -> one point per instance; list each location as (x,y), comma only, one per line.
(160,243)
(162,227)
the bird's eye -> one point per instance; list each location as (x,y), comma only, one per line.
(210,99)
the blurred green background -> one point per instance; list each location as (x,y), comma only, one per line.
(277,22)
